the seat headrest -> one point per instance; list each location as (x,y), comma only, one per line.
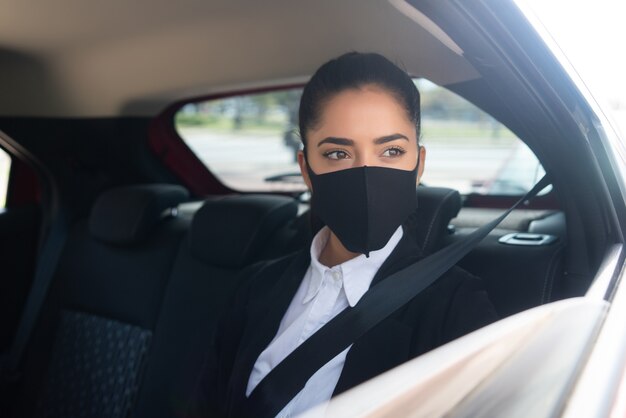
(230,231)
(125,215)
(436,206)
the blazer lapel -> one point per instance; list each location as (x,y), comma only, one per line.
(373,354)
(263,325)
(369,356)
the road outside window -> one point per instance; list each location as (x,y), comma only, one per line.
(250,143)
(5,165)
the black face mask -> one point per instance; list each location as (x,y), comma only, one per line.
(364,206)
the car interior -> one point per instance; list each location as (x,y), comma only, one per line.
(153,244)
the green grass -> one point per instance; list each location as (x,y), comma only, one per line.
(226,125)
(186,120)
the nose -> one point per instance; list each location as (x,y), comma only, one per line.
(364,160)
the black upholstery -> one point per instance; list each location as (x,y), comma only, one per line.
(125,215)
(95,368)
(225,235)
(127,282)
(436,206)
(108,284)
(231,231)
(518,277)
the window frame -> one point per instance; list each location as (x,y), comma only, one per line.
(170,148)
(4,185)
(167,145)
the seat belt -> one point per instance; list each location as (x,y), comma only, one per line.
(46,266)
(288,378)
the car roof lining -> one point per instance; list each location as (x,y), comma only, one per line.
(78,58)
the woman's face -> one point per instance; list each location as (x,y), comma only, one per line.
(361,127)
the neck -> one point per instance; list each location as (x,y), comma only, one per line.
(335,253)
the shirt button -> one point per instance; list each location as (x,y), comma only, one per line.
(336,275)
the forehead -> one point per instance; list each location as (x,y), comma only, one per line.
(363,113)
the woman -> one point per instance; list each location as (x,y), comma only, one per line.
(360,126)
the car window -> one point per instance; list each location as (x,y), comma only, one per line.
(5,165)
(250,143)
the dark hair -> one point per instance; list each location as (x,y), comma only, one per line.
(352,71)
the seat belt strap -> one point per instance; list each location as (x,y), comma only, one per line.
(289,377)
(46,267)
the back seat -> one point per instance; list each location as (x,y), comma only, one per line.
(138,291)
(95,327)
(226,235)
(130,311)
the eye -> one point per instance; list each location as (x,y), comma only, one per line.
(393,152)
(336,155)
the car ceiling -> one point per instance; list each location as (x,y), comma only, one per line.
(87,58)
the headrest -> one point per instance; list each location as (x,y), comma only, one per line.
(125,215)
(229,232)
(436,206)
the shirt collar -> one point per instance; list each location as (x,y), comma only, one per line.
(357,273)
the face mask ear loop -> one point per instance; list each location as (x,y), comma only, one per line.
(306,158)
(419,156)
(417,172)
(308,166)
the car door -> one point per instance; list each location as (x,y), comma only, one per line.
(20,215)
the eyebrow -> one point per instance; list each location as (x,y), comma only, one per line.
(349,142)
(335,140)
(389,138)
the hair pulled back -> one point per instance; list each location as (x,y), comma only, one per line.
(355,70)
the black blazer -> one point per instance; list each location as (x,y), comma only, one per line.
(454,305)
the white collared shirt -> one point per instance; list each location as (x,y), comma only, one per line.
(323,293)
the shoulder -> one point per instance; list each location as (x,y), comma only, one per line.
(469,305)
(462,281)
(268,271)
(258,279)
(254,287)
(454,286)
(455,305)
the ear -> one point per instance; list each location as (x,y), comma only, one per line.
(422,160)
(303,169)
